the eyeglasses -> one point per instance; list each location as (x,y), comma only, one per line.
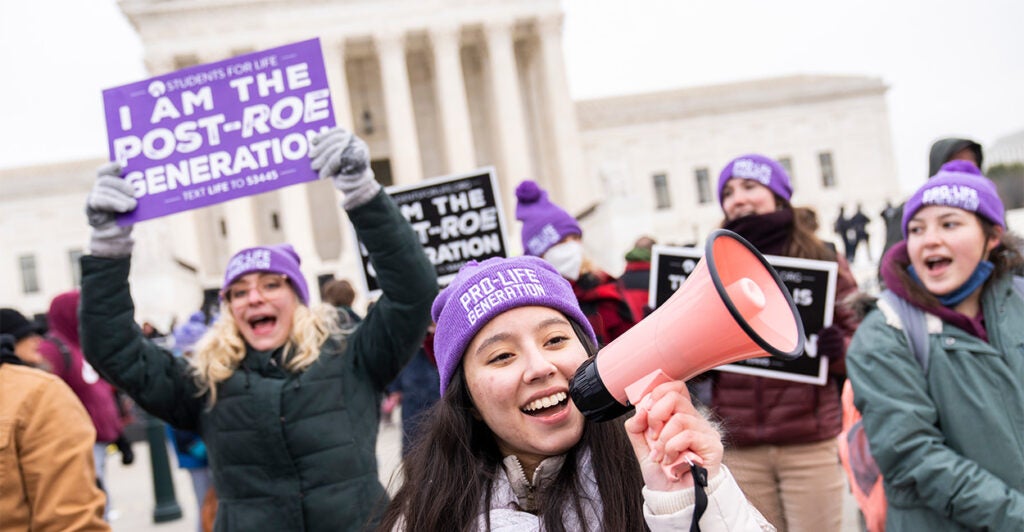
(269,286)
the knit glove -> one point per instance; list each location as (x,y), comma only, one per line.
(344,158)
(831,343)
(109,197)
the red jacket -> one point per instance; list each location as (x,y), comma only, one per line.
(604,305)
(635,282)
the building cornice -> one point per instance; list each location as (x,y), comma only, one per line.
(45,180)
(686,103)
(170,28)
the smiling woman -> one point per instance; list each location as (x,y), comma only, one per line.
(506,449)
(945,426)
(285,400)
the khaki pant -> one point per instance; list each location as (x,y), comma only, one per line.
(798,488)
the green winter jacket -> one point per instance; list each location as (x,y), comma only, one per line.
(288,451)
(949,443)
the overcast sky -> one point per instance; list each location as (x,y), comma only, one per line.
(953,67)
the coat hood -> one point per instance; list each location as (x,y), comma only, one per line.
(943,149)
(63,316)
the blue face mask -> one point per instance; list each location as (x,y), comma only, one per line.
(978,277)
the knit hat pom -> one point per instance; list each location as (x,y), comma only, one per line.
(528,192)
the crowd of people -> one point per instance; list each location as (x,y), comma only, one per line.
(274,402)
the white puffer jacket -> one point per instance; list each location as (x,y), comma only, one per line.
(728,509)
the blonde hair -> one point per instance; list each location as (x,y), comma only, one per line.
(220,351)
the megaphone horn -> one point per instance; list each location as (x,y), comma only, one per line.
(732,307)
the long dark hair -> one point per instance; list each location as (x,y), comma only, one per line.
(803,242)
(448,474)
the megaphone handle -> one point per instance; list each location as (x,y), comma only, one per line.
(636,393)
(687,461)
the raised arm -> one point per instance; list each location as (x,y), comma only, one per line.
(111,341)
(393,331)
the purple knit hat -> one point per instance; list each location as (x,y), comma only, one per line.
(483,290)
(544,223)
(279,258)
(766,171)
(958,184)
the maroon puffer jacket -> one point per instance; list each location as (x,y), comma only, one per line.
(96,394)
(760,410)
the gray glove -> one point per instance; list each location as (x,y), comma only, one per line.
(109,197)
(344,158)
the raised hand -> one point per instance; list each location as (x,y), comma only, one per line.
(343,157)
(667,429)
(110,196)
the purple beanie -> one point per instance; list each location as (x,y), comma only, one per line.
(187,334)
(766,171)
(958,184)
(483,290)
(544,223)
(279,258)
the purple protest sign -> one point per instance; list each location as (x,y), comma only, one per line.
(210,133)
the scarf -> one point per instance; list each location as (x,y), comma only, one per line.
(769,233)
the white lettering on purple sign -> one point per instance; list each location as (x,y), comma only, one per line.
(218,164)
(213,132)
(160,143)
(506,285)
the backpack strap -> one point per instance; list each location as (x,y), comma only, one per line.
(65,353)
(914,321)
(915,326)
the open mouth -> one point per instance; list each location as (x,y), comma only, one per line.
(934,263)
(546,405)
(262,324)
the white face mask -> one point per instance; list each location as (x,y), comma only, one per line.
(567,258)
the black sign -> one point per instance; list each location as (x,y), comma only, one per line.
(812,283)
(457,219)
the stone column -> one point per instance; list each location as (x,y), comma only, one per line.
(509,120)
(561,117)
(451,98)
(334,63)
(300,203)
(240,217)
(404,146)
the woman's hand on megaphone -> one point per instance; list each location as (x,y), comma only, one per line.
(667,429)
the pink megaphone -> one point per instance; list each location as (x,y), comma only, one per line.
(732,307)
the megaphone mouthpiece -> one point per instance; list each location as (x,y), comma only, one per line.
(747,296)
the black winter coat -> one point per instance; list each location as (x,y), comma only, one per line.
(288,451)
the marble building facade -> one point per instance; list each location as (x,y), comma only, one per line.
(439,87)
